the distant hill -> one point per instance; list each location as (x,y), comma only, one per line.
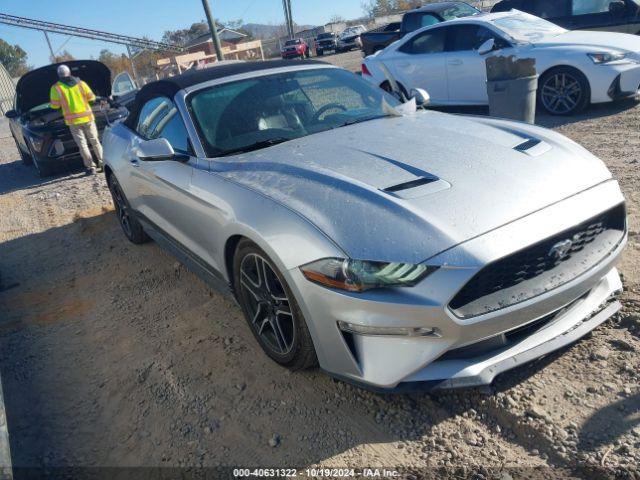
(264,31)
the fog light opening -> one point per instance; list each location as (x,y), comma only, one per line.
(57,148)
(429,332)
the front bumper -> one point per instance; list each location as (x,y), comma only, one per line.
(388,362)
(614,82)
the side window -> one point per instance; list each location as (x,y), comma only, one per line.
(150,115)
(175,132)
(431,41)
(159,118)
(552,8)
(417,20)
(467,37)
(585,7)
(122,84)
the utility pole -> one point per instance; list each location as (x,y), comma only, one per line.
(214,29)
(291,29)
(133,65)
(53,56)
(286,6)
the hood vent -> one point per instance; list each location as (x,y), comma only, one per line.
(527,145)
(533,147)
(409,185)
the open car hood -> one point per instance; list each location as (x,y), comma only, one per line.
(33,88)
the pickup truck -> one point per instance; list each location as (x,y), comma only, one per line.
(326,42)
(295,48)
(375,40)
(350,38)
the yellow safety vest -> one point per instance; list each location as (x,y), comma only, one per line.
(74,102)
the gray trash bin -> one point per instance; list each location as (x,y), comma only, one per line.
(513,99)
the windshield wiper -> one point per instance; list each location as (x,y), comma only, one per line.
(257,145)
(353,121)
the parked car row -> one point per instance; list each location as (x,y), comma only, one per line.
(447,59)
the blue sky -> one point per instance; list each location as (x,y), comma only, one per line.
(150,18)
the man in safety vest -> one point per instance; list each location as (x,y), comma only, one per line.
(74,97)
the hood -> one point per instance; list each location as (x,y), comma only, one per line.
(602,40)
(407,188)
(33,87)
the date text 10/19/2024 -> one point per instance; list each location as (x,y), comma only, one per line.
(315,473)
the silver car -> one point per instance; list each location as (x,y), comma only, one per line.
(395,251)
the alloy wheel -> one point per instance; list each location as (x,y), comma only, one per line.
(122,210)
(561,93)
(267,304)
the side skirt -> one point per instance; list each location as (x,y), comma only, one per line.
(209,275)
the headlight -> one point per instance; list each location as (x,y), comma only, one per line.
(361,275)
(608,57)
(36,143)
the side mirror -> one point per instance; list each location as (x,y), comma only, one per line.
(487,47)
(11,114)
(617,8)
(158,150)
(422,96)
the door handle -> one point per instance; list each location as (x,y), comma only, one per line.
(135,162)
(404,64)
(455,62)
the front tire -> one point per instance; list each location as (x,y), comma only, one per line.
(43,169)
(270,309)
(563,91)
(130,225)
(26,158)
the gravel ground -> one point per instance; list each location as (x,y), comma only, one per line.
(116,355)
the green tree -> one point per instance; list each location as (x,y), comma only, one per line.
(64,56)
(13,58)
(116,63)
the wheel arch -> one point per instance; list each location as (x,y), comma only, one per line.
(569,66)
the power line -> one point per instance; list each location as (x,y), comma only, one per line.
(88,33)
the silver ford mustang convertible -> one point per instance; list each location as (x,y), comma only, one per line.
(397,251)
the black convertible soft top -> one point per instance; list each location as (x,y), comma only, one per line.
(170,86)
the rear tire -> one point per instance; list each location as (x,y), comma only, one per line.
(563,91)
(131,227)
(271,309)
(319,53)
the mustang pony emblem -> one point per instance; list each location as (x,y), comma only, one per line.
(561,249)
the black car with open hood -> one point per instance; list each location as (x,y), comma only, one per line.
(40,133)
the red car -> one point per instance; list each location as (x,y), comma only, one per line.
(296,48)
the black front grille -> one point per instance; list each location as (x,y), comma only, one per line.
(64,134)
(541,267)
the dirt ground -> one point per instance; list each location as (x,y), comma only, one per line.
(116,355)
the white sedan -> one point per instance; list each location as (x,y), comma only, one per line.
(448,60)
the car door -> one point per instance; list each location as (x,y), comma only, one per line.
(632,17)
(162,187)
(420,63)
(466,70)
(556,11)
(596,15)
(415,20)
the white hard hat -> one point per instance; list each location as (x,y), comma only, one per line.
(64,71)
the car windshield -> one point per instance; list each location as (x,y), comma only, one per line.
(525,28)
(459,11)
(259,112)
(322,36)
(288,43)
